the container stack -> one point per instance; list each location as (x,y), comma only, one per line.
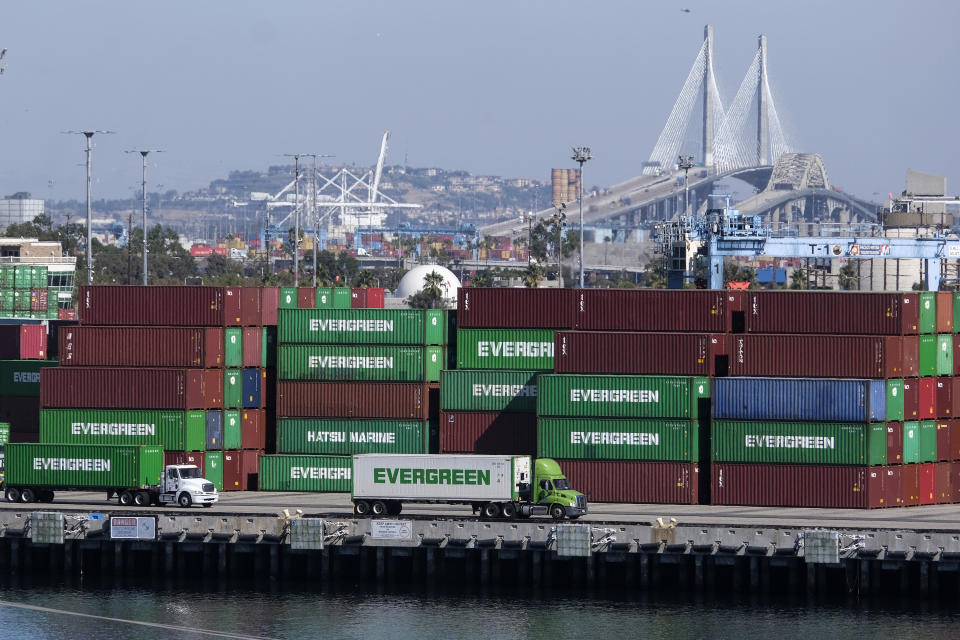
(350,380)
(331,298)
(25,292)
(20,395)
(180,367)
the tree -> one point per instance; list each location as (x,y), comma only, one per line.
(848,277)
(798,279)
(482,279)
(431,297)
(365,279)
(532,276)
(655,273)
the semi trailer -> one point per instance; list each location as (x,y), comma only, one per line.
(135,474)
(494,486)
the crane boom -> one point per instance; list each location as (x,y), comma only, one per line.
(375,187)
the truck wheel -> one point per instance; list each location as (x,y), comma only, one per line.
(141,499)
(509,509)
(46,496)
(394,507)
(490,510)
(126,498)
(28,495)
(378,508)
(557,512)
(184,500)
(12,494)
(361,508)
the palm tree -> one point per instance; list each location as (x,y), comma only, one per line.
(532,275)
(434,285)
(365,279)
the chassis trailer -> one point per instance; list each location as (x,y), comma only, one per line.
(134,473)
(507,486)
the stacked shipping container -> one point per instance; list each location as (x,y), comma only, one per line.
(25,292)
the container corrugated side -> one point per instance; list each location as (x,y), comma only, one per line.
(634,481)
(347,436)
(87,346)
(488,390)
(342,362)
(112,388)
(793,485)
(652,310)
(23,342)
(814,356)
(765,441)
(173,430)
(814,399)
(520,308)
(439,477)
(351,326)
(527,349)
(661,440)
(327,474)
(487,432)
(352,400)
(21,378)
(622,396)
(82,466)
(832,312)
(672,354)
(151,305)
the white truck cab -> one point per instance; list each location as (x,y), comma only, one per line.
(181,484)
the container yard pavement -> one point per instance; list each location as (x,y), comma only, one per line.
(932,518)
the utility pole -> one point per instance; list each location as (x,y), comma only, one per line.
(685,163)
(581,155)
(560,221)
(89,135)
(296,215)
(143,192)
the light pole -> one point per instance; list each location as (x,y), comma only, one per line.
(89,135)
(143,189)
(581,155)
(685,162)
(296,215)
(560,221)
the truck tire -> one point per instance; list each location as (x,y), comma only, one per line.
(361,507)
(184,500)
(557,512)
(509,510)
(125,499)
(27,494)
(141,499)
(394,507)
(378,508)
(46,496)
(490,511)
(12,494)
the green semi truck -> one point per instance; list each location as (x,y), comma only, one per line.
(494,486)
(134,473)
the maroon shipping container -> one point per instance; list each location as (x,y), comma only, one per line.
(944,312)
(253,429)
(911,356)
(796,485)
(488,432)
(955,481)
(956,354)
(186,457)
(944,437)
(953,451)
(944,392)
(911,398)
(23,416)
(23,342)
(892,486)
(38,300)
(119,388)
(652,310)
(685,354)
(927,480)
(306,297)
(911,484)
(632,481)
(816,356)
(252,346)
(516,308)
(87,346)
(944,482)
(830,312)
(894,443)
(250,468)
(251,313)
(375,298)
(927,398)
(237,474)
(269,304)
(232,302)
(358,298)
(352,400)
(153,306)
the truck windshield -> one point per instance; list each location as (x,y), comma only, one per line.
(561,484)
(189,472)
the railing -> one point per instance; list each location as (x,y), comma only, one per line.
(38,260)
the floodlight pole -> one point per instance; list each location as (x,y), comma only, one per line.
(143,192)
(581,155)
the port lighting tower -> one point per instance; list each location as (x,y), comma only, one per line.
(89,135)
(560,221)
(685,163)
(581,155)
(143,187)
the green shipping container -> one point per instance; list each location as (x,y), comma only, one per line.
(232,388)
(233,347)
(524,349)
(618,439)
(956,311)
(306,473)
(928,312)
(38,279)
(6,299)
(21,301)
(434,362)
(927,441)
(895,399)
(342,298)
(346,436)
(213,468)
(911,442)
(352,326)
(341,362)
(761,441)
(488,390)
(22,377)
(945,354)
(4,433)
(172,430)
(81,466)
(288,297)
(232,432)
(7,276)
(620,396)
(437,327)
(324,298)
(23,277)
(927,360)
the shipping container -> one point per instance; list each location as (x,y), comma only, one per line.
(358,298)
(306,297)
(797,485)
(518,308)
(346,436)
(488,390)
(151,305)
(803,399)
(23,342)
(251,388)
(894,443)
(634,481)
(927,483)
(816,356)
(927,398)
(375,298)
(232,430)
(87,346)
(23,416)
(765,441)
(622,396)
(306,473)
(269,305)
(324,298)
(232,388)
(253,429)
(911,398)
(927,441)
(21,378)
(82,466)
(832,312)
(341,298)
(115,388)
(943,484)
(233,347)
(911,442)
(343,362)
(683,354)
(251,309)
(252,350)
(469,478)
(362,326)
(944,397)
(589,438)
(288,298)
(487,432)
(892,487)
(910,348)
(519,349)
(173,430)
(352,400)
(663,310)
(213,439)
(232,302)
(928,312)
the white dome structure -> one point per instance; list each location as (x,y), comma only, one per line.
(412,281)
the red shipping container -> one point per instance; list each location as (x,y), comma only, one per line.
(944,397)
(38,300)
(119,388)
(197,458)
(23,342)
(250,467)
(358,298)
(250,311)
(352,400)
(252,346)
(152,305)
(893,486)
(815,356)
(652,310)
(633,481)
(269,304)
(944,437)
(911,484)
(233,471)
(944,312)
(375,298)
(953,451)
(794,485)
(894,443)
(488,432)
(955,481)
(693,354)
(944,482)
(253,429)
(910,365)
(927,483)
(911,398)
(232,301)
(306,298)
(516,308)
(87,346)
(66,314)
(830,312)
(927,398)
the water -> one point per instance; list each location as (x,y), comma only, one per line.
(307,611)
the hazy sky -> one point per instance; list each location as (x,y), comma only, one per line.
(493,87)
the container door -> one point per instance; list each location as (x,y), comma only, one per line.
(433,360)
(252,425)
(232,389)
(911,485)
(214,343)
(945,354)
(232,305)
(928,441)
(251,389)
(434,324)
(909,357)
(893,486)
(288,298)
(341,298)
(895,399)
(943,440)
(252,347)
(928,312)
(927,351)
(232,429)
(927,398)
(233,347)
(944,482)
(911,399)
(875,494)
(911,442)
(894,443)
(944,398)
(269,303)
(928,483)
(250,306)
(213,468)
(214,434)
(324,298)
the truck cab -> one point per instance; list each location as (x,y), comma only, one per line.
(183,485)
(551,491)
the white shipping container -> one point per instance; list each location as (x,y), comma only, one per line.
(439,477)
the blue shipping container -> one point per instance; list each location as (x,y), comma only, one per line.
(814,399)
(214,439)
(251,389)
